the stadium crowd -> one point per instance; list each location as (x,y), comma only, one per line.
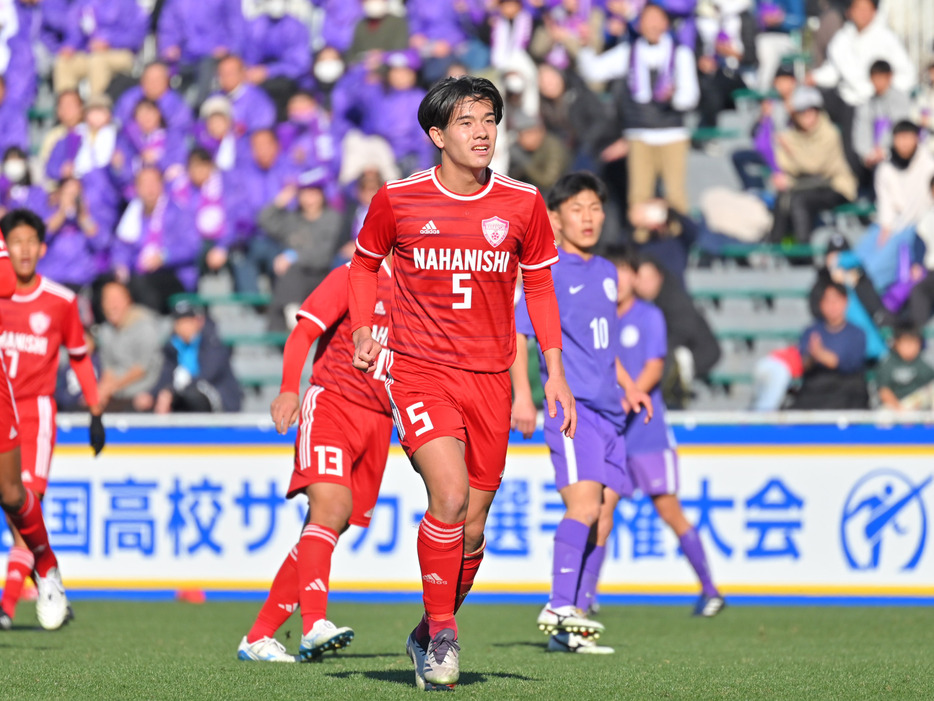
(247,137)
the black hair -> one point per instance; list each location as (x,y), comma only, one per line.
(875,3)
(880,67)
(22,217)
(199,153)
(906,328)
(21,154)
(906,126)
(838,287)
(437,107)
(573,184)
(621,255)
(146,102)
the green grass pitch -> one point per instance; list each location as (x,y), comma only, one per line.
(126,650)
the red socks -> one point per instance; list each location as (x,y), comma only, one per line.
(279,605)
(29,523)
(19,567)
(440,554)
(314,571)
(469,570)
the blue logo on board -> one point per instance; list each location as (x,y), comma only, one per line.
(884,522)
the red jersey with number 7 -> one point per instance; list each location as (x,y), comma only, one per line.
(328,308)
(36,324)
(455,264)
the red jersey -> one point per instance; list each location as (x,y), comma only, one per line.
(456,259)
(328,308)
(36,324)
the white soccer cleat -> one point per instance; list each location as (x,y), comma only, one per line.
(579,644)
(415,649)
(567,619)
(442,667)
(709,606)
(263,650)
(322,637)
(52,604)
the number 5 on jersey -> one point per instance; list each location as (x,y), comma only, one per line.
(459,289)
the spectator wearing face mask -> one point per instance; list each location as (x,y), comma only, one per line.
(307,139)
(194,34)
(16,188)
(377,31)
(327,71)
(277,52)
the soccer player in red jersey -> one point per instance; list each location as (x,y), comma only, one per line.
(344,430)
(37,317)
(459,234)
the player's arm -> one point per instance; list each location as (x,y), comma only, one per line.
(321,310)
(7,274)
(524,413)
(636,397)
(543,311)
(75,343)
(373,244)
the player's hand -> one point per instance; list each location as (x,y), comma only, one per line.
(366,350)
(284,411)
(558,392)
(98,434)
(636,400)
(524,416)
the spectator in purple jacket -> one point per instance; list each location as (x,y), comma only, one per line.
(20,71)
(307,140)
(54,24)
(378,31)
(212,198)
(278,52)
(437,32)
(101,39)
(154,85)
(69,112)
(89,146)
(385,109)
(145,141)
(156,247)
(78,246)
(252,108)
(260,180)
(15,127)
(340,18)
(215,133)
(16,188)
(194,34)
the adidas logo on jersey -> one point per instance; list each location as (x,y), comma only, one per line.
(430,228)
(317,585)
(433,578)
(380,308)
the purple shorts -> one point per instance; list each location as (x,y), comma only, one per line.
(654,474)
(597,452)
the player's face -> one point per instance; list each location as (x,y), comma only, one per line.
(25,250)
(579,221)
(468,141)
(648,282)
(626,282)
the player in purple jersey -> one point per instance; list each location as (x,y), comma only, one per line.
(590,471)
(642,344)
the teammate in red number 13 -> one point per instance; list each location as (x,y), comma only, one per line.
(459,234)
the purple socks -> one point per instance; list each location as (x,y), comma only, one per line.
(693,550)
(587,589)
(570,545)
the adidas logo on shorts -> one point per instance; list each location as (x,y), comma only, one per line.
(430,228)
(433,578)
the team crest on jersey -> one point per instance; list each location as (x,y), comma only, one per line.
(495,230)
(39,322)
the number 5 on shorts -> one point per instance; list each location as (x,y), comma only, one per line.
(416,418)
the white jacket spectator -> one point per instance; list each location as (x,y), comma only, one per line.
(903,190)
(852,52)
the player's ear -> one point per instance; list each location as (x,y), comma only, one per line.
(436,136)
(43,247)
(555,218)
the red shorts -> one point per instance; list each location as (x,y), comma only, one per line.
(432,401)
(9,419)
(341,443)
(37,440)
